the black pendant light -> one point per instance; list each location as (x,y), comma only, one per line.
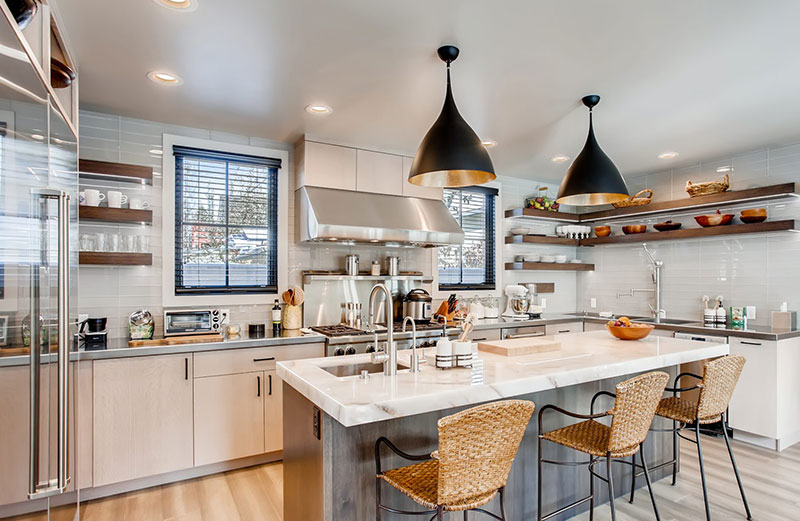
(451,154)
(592,178)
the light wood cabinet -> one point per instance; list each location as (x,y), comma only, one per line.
(379,173)
(566,327)
(229,417)
(412,190)
(328,166)
(142,421)
(14,429)
(273,412)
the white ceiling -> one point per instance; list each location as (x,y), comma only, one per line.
(704,78)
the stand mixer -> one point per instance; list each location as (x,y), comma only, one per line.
(517,306)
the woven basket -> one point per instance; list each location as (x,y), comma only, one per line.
(635,200)
(709,188)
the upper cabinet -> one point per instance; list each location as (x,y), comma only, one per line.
(328,166)
(348,168)
(379,173)
(413,190)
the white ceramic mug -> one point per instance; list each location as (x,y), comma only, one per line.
(137,203)
(116,199)
(93,197)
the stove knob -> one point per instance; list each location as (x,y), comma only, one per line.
(338,352)
(350,350)
(370,348)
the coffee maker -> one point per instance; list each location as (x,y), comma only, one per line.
(96,338)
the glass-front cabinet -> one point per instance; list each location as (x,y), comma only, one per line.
(38,283)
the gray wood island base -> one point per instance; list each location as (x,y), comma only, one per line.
(331,424)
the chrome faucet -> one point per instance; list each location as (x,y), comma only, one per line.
(658,310)
(414,357)
(389,356)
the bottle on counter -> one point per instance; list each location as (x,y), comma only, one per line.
(276,317)
(375,268)
(721,314)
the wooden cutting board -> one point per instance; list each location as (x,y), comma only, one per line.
(520,346)
(177,340)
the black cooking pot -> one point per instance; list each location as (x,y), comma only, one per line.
(96,325)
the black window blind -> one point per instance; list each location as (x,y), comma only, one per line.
(470,265)
(226,222)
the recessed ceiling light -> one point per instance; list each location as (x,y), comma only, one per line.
(559,159)
(156,151)
(37,137)
(726,168)
(668,155)
(164,78)
(489,143)
(317,108)
(333,239)
(373,240)
(178,5)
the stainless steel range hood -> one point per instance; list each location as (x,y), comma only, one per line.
(326,214)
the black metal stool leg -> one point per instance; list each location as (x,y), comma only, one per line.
(633,477)
(735,467)
(647,480)
(610,487)
(377,499)
(502,504)
(675,452)
(439,513)
(591,489)
(702,470)
(466,515)
(539,481)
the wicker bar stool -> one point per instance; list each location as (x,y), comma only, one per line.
(476,450)
(716,387)
(634,407)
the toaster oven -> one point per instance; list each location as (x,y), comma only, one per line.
(193,321)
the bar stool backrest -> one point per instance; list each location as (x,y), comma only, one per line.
(477,448)
(634,409)
(719,380)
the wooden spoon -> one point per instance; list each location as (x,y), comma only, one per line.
(298,297)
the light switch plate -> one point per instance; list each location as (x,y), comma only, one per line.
(593,303)
(543,302)
(750,312)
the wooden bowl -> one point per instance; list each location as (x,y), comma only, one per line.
(602,231)
(667,226)
(754,215)
(634,228)
(630,333)
(714,219)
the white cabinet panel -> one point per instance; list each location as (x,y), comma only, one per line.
(567,327)
(378,173)
(273,412)
(413,190)
(753,407)
(328,166)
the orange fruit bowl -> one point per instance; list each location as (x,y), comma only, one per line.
(634,332)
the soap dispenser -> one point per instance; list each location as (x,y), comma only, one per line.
(722,316)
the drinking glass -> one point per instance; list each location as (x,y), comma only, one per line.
(101,242)
(142,243)
(129,243)
(114,242)
(87,242)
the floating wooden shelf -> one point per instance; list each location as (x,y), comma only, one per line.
(542,214)
(116,172)
(691,233)
(762,193)
(538,239)
(548,266)
(115,215)
(115,258)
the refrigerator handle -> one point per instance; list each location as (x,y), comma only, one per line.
(59,484)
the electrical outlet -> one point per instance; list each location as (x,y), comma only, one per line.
(593,302)
(317,424)
(750,312)
(543,302)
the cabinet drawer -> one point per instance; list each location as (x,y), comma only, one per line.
(232,361)
(522,332)
(484,335)
(566,327)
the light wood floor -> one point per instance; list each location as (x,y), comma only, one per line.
(771,480)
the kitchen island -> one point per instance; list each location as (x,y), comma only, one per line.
(333,416)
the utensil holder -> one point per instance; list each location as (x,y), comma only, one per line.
(453,361)
(292,317)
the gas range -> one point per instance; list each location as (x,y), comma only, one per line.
(346,340)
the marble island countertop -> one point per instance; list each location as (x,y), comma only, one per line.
(583,357)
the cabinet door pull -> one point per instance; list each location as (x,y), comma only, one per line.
(478,340)
(563,330)
(186,368)
(258,383)
(270,385)
(750,343)
(267,359)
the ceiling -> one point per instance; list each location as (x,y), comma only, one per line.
(701,78)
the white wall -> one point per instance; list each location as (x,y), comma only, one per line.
(758,270)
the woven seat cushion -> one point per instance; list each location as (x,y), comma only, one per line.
(684,411)
(588,436)
(420,483)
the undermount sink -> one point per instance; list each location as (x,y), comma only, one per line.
(341,371)
(668,321)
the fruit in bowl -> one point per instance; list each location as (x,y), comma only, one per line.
(624,329)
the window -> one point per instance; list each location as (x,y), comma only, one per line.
(226,222)
(471,264)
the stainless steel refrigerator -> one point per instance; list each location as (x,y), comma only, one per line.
(38,301)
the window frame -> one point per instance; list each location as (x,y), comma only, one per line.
(172,298)
(492,247)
